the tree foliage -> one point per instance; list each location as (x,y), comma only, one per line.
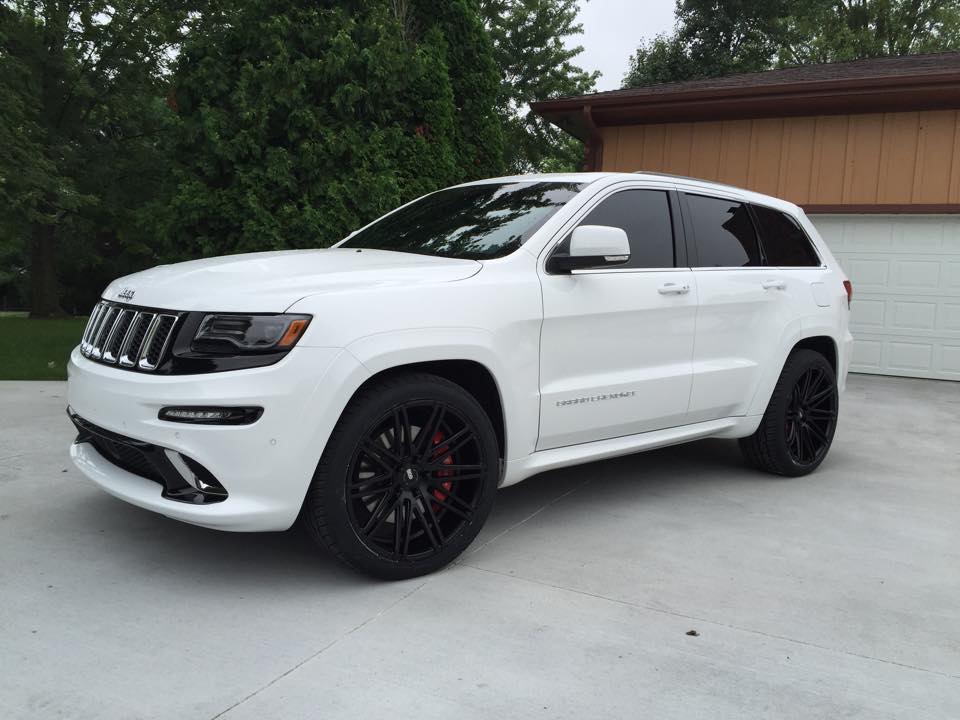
(79,85)
(137,131)
(297,122)
(720,38)
(535,64)
(851,29)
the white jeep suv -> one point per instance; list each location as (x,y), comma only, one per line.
(383,389)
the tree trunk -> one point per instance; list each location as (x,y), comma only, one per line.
(44,288)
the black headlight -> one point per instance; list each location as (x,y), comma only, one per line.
(235,334)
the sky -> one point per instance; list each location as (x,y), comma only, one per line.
(612,30)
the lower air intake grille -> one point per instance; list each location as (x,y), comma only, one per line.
(131,338)
(128,457)
(184,481)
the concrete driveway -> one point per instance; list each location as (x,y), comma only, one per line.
(836,595)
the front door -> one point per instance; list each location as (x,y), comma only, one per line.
(617,343)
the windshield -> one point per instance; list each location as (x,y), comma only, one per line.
(476,222)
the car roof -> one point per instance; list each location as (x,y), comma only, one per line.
(576,177)
(585,178)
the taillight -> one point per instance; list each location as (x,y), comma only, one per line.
(848,286)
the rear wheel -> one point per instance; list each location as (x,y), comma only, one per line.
(798,426)
(407,479)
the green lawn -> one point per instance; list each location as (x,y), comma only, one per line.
(37,349)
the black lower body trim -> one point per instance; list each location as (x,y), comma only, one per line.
(191,482)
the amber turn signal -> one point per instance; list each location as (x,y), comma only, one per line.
(293,333)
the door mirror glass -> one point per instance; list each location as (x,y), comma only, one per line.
(593,246)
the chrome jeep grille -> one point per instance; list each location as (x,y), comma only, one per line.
(136,339)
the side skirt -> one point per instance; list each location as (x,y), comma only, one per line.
(544,460)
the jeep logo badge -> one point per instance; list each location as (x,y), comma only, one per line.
(125,294)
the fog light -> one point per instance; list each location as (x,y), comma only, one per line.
(212,415)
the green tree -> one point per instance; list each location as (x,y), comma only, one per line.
(535,64)
(851,29)
(714,38)
(78,88)
(663,59)
(299,121)
(720,38)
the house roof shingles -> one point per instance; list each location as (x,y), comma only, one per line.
(913,82)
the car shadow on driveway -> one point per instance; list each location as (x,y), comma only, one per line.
(139,541)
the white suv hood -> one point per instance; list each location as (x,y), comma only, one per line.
(273,281)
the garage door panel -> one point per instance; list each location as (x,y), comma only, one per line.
(869,272)
(950,364)
(867,355)
(950,314)
(916,274)
(871,314)
(926,336)
(952,276)
(922,235)
(885,355)
(869,235)
(906,277)
(912,315)
(911,356)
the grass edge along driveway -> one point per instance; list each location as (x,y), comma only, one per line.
(37,349)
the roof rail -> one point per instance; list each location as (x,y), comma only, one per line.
(687,177)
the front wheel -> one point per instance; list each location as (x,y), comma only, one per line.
(407,479)
(798,426)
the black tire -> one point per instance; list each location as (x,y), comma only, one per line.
(798,426)
(396,501)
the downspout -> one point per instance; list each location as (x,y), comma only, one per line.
(593,147)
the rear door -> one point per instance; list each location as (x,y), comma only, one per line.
(744,306)
(617,343)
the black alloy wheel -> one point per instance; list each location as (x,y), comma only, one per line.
(407,479)
(415,479)
(797,429)
(811,416)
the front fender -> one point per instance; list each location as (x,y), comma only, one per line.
(516,380)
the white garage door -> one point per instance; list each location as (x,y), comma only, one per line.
(906,291)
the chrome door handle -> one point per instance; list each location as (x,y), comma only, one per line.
(774,284)
(673,289)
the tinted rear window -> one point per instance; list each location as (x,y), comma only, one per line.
(723,232)
(784,242)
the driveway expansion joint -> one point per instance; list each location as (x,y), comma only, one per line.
(730,626)
(320,652)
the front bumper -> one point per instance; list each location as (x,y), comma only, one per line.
(265,467)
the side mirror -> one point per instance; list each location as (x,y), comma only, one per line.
(592,246)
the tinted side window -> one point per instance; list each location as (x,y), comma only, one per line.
(645,216)
(724,232)
(784,242)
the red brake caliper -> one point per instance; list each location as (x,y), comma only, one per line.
(447,485)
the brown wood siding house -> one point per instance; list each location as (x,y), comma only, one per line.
(869,148)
